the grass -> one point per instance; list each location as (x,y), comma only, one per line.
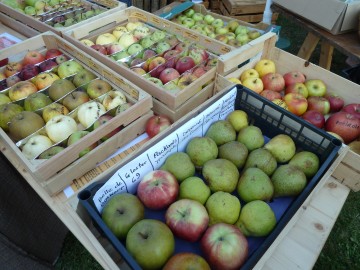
(342,249)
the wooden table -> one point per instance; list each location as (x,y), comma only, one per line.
(348,43)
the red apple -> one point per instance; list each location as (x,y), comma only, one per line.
(103,120)
(156,124)
(29,71)
(336,102)
(186,260)
(296,103)
(346,125)
(52,53)
(136,62)
(273,81)
(320,104)
(113,48)
(158,189)
(224,246)
(33,57)
(199,71)
(199,55)
(47,65)
(294,77)
(353,108)
(100,48)
(184,63)
(170,54)
(148,54)
(187,219)
(298,87)
(314,117)
(182,46)
(270,94)
(168,75)
(157,61)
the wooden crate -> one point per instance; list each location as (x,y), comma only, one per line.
(348,171)
(57,172)
(245,10)
(15,27)
(172,100)
(108,5)
(149,5)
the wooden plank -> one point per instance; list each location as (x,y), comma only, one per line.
(308,46)
(235,7)
(326,54)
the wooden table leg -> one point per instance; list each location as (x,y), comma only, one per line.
(308,46)
(326,55)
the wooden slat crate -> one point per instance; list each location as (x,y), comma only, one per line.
(57,172)
(245,10)
(149,5)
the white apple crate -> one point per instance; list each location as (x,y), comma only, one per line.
(57,172)
(108,6)
(347,172)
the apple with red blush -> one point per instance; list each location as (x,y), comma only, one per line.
(113,48)
(298,87)
(353,108)
(270,94)
(273,81)
(33,57)
(184,63)
(320,104)
(336,102)
(297,104)
(294,77)
(199,71)
(345,124)
(100,48)
(170,54)
(52,53)
(29,71)
(158,189)
(148,53)
(103,119)
(157,124)
(169,74)
(199,55)
(314,117)
(48,65)
(155,62)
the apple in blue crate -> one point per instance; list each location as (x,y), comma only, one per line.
(78,135)
(103,119)
(134,48)
(186,260)
(68,68)
(151,243)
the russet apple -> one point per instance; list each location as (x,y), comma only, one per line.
(36,101)
(21,90)
(60,88)
(33,57)
(265,66)
(35,146)
(52,110)
(97,87)
(45,79)
(296,103)
(8,111)
(60,127)
(273,81)
(75,99)
(24,124)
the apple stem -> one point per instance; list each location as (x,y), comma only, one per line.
(144,235)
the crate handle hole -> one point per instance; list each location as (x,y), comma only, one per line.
(84,195)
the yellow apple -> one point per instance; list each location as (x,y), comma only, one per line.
(234,80)
(238,119)
(106,38)
(280,103)
(265,66)
(254,84)
(249,73)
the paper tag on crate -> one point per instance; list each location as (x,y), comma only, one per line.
(127,178)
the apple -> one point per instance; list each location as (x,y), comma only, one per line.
(83,77)
(314,117)
(21,90)
(158,189)
(294,77)
(265,66)
(45,79)
(249,73)
(52,53)
(162,47)
(123,107)
(60,88)
(168,74)
(232,25)
(48,65)
(61,59)
(8,111)
(78,135)
(241,30)
(353,108)
(316,87)
(151,243)
(52,151)
(296,103)
(182,47)
(199,55)
(75,99)
(127,39)
(122,212)
(12,80)
(155,62)
(138,70)
(270,94)
(222,38)
(29,10)
(186,260)
(209,29)
(199,71)
(99,48)
(106,38)
(2,76)
(52,110)
(131,26)
(234,80)
(346,125)
(156,81)
(87,42)
(33,57)
(12,68)
(68,68)
(188,22)
(253,34)
(113,98)
(218,23)
(242,38)
(297,87)
(224,246)
(60,127)
(113,48)
(119,31)
(29,71)
(134,48)
(186,79)
(97,88)
(24,124)
(336,102)
(158,35)
(254,84)
(157,124)
(148,53)
(4,99)
(187,219)
(147,42)
(141,32)
(103,119)
(208,18)
(189,13)
(89,112)
(184,63)
(273,81)
(320,104)
(280,102)
(230,36)
(36,101)
(35,146)
(211,63)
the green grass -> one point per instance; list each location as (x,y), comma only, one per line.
(342,249)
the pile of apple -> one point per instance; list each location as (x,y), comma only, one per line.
(161,58)
(57,13)
(231,33)
(53,109)
(306,98)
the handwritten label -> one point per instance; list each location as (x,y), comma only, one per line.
(128,177)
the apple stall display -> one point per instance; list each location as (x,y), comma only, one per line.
(219,186)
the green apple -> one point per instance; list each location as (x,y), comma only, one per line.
(189,13)
(4,99)
(60,127)
(147,42)
(29,10)
(198,16)
(158,35)
(134,48)
(49,153)
(75,99)
(122,212)
(36,101)
(241,29)
(83,77)
(60,88)
(69,68)
(7,112)
(208,18)
(233,24)
(151,243)
(98,87)
(106,38)
(218,23)
(188,22)
(76,136)
(52,110)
